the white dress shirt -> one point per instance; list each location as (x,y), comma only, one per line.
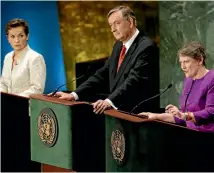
(27,76)
(127,45)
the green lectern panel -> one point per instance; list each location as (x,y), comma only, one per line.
(121,145)
(135,147)
(51,137)
(155,147)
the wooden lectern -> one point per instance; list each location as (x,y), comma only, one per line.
(15,135)
(66,135)
(135,144)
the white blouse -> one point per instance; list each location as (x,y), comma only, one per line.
(27,76)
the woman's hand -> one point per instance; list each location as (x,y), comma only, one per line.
(172,109)
(155,116)
(151,116)
(187,116)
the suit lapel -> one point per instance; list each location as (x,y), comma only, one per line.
(124,64)
(117,75)
(115,62)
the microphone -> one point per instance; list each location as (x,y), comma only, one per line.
(169,86)
(57,89)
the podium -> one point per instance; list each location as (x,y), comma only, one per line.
(66,135)
(135,144)
(15,135)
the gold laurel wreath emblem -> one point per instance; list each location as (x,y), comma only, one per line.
(46,128)
(118,145)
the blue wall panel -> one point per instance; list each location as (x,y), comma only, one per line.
(42,17)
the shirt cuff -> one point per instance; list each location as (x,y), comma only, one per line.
(201,116)
(179,121)
(75,96)
(110,102)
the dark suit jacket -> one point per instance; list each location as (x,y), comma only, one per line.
(133,82)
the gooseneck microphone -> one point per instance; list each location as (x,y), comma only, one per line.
(169,86)
(57,89)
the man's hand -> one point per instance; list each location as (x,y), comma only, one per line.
(100,106)
(63,96)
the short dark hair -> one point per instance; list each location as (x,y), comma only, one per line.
(16,23)
(194,50)
(126,12)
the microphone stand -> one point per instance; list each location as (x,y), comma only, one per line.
(57,89)
(169,86)
(134,115)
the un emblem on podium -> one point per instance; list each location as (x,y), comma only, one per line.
(118,146)
(47,127)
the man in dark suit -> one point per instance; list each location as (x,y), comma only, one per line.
(127,71)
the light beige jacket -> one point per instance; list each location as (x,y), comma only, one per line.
(27,77)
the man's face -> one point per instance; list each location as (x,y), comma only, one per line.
(120,27)
(17,38)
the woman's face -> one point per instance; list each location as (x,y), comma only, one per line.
(17,38)
(190,66)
